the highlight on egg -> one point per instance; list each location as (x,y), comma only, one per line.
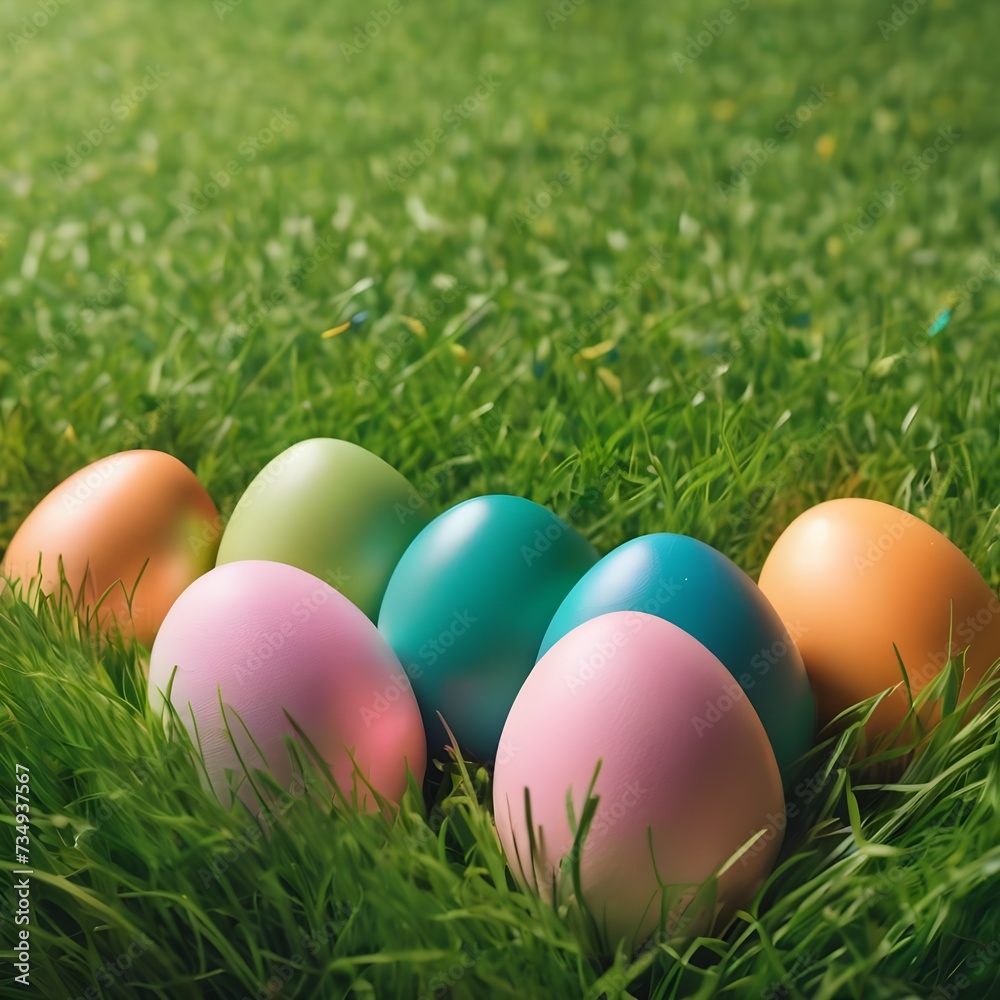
(687,582)
(333,509)
(254,652)
(467,606)
(128,534)
(681,800)
(859,580)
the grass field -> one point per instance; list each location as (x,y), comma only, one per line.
(654,274)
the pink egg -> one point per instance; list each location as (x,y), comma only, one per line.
(686,765)
(267,638)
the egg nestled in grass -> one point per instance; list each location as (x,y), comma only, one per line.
(868,586)
(126,535)
(255,653)
(333,509)
(468,604)
(690,814)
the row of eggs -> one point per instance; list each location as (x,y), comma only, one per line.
(694,688)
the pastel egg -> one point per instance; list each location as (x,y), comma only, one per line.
(689,583)
(468,604)
(854,578)
(627,689)
(333,509)
(269,641)
(129,533)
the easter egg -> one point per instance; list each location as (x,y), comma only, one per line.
(678,796)
(333,509)
(468,604)
(128,533)
(852,578)
(689,583)
(274,644)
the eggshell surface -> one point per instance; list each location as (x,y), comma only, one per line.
(855,576)
(332,508)
(687,582)
(266,638)
(634,691)
(134,514)
(468,604)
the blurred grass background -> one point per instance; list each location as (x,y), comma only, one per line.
(655,273)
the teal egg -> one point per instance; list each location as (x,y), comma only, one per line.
(466,608)
(707,595)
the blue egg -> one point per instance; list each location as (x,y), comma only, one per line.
(701,591)
(467,606)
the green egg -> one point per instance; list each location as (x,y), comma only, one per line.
(468,605)
(333,509)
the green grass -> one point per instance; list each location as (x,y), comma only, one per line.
(767,358)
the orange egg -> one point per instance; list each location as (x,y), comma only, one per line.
(135,516)
(850,578)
